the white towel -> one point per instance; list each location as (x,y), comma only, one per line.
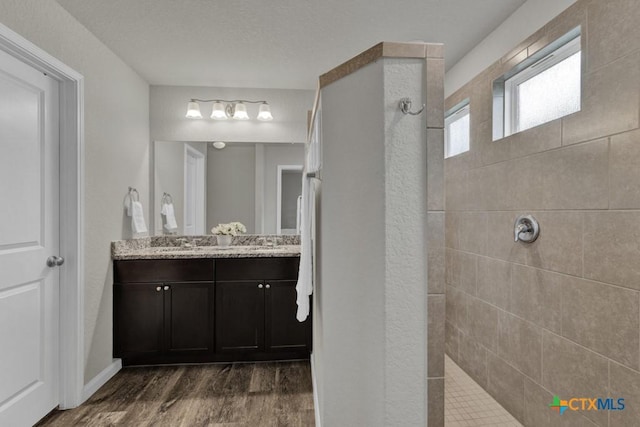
(137,218)
(171,224)
(304,287)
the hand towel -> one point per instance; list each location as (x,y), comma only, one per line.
(171,225)
(304,287)
(137,218)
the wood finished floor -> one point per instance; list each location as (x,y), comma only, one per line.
(230,395)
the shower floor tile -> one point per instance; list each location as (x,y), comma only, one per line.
(466,404)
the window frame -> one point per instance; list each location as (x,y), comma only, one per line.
(451,116)
(504,119)
(511,84)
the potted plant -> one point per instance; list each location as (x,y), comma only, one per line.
(225,232)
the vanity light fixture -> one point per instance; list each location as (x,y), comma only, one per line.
(223,110)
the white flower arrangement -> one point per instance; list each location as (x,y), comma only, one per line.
(230,229)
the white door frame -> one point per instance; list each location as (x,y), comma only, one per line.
(71,209)
(201,203)
(282,168)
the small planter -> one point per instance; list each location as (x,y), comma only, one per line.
(224,240)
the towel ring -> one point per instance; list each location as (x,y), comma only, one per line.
(166,198)
(134,195)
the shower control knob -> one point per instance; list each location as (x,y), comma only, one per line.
(526,229)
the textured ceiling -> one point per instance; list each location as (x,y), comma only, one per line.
(277,43)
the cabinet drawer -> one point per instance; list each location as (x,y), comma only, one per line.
(163,270)
(257,268)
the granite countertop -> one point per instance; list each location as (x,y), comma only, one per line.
(169,247)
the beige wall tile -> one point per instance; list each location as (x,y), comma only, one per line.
(604,318)
(611,245)
(472,232)
(506,384)
(483,324)
(535,296)
(494,281)
(525,183)
(461,270)
(456,308)
(624,171)
(489,151)
(435,252)
(435,169)
(535,140)
(559,246)
(500,241)
(456,190)
(538,414)
(451,341)
(575,15)
(570,370)
(520,344)
(435,404)
(625,384)
(435,93)
(576,177)
(610,102)
(472,357)
(613,30)
(451,221)
(435,335)
(488,187)
(481,98)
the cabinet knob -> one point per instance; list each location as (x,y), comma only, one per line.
(260,286)
(268,286)
(158,289)
(166,288)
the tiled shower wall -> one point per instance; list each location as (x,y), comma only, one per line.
(562,315)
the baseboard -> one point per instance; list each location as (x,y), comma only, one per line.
(316,406)
(101,379)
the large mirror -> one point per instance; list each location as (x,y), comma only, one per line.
(257,184)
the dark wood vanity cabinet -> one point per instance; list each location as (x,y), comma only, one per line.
(163,310)
(205,310)
(256,308)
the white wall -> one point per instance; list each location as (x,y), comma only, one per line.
(371,296)
(231,186)
(169,178)
(526,20)
(168,105)
(116,150)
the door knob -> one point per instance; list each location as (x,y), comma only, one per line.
(166,288)
(158,289)
(55,261)
(268,286)
(260,286)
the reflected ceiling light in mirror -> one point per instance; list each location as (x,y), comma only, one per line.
(219,145)
(223,110)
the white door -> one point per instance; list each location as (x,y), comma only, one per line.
(29,234)
(194,191)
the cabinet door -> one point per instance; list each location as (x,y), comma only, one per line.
(284,332)
(239,316)
(188,317)
(137,319)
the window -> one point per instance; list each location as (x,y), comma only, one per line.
(543,88)
(456,130)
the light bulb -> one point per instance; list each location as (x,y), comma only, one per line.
(264,113)
(218,112)
(240,112)
(193,110)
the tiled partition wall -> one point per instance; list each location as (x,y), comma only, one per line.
(559,316)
